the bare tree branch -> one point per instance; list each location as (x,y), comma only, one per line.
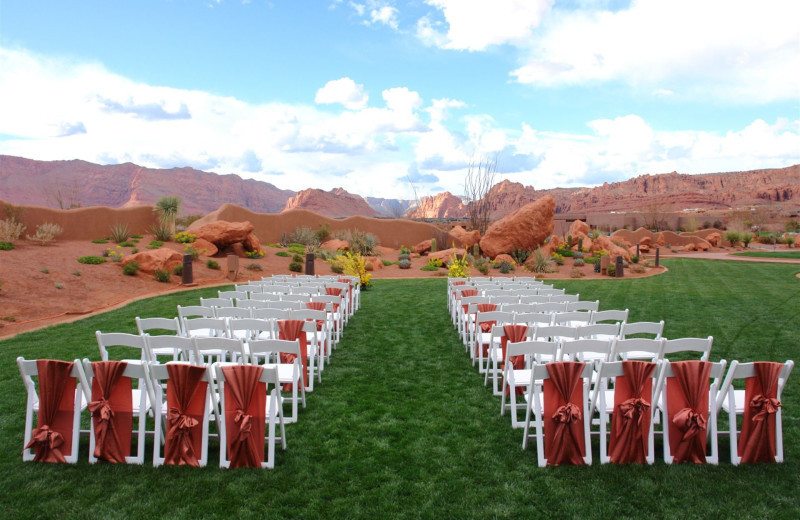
(477,184)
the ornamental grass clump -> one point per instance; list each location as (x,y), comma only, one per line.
(10,230)
(119,232)
(161,275)
(130,269)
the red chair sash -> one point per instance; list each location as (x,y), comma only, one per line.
(317,306)
(245,415)
(292,330)
(460,282)
(349,282)
(52,439)
(514,334)
(687,410)
(486,327)
(630,422)
(112,411)
(563,417)
(487,307)
(757,439)
(334,291)
(469,292)
(186,406)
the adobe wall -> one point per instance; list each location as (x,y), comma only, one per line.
(86,223)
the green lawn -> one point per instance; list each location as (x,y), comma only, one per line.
(771,254)
(402,426)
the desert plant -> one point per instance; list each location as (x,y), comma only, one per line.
(746,238)
(297,249)
(483,268)
(732,237)
(637,268)
(212,264)
(167,209)
(323,233)
(635,259)
(114,254)
(576,273)
(404,264)
(76,273)
(355,265)
(789,240)
(297,257)
(134,250)
(520,255)
(137,237)
(569,241)
(505,267)
(766,238)
(45,271)
(6,246)
(92,260)
(577,254)
(99,241)
(404,256)
(162,232)
(155,244)
(476,250)
(435,263)
(578,262)
(161,275)
(540,261)
(10,230)
(477,192)
(127,244)
(119,232)
(185,238)
(458,268)
(580,244)
(557,259)
(178,270)
(253,266)
(362,243)
(189,250)
(303,235)
(387,263)
(296,267)
(254,254)
(130,269)
(283,253)
(433,245)
(611,270)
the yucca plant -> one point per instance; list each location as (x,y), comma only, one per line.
(120,233)
(162,232)
(167,209)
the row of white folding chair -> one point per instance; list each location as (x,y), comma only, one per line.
(602,401)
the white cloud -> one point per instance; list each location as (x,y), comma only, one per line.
(474,25)
(736,50)
(344,91)
(386,15)
(377,12)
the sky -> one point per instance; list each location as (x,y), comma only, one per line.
(396,99)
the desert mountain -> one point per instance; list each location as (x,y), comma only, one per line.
(441,205)
(334,203)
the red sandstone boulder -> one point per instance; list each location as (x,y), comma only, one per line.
(223,234)
(163,259)
(603,243)
(251,243)
(445,254)
(375,261)
(335,245)
(690,247)
(466,238)
(660,240)
(422,248)
(714,239)
(700,246)
(205,247)
(526,228)
(578,228)
(550,247)
(504,258)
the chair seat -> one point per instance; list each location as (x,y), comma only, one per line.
(738,397)
(285,371)
(522,377)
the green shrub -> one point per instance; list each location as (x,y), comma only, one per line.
(766,238)
(387,263)
(162,232)
(611,270)
(304,235)
(635,259)
(637,268)
(297,258)
(565,252)
(273,244)
(591,259)
(184,237)
(92,260)
(746,238)
(134,250)
(138,237)
(130,269)
(253,266)
(520,255)
(155,244)
(283,253)
(212,264)
(119,233)
(733,237)
(189,250)
(483,268)
(557,258)
(428,268)
(6,246)
(505,267)
(404,264)
(178,270)
(337,267)
(99,241)
(297,249)
(578,262)
(540,261)
(433,245)
(296,267)
(127,244)
(404,256)
(161,275)
(435,263)
(254,254)
(789,240)
(323,233)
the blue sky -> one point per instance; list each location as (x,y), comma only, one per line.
(369,94)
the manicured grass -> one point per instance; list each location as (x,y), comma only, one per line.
(770,254)
(402,426)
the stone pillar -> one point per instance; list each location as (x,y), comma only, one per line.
(618,271)
(657,255)
(233,267)
(605,261)
(310,263)
(186,273)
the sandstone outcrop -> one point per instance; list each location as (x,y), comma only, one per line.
(205,247)
(441,205)
(223,234)
(445,254)
(526,228)
(604,243)
(163,259)
(335,245)
(467,239)
(334,203)
(423,247)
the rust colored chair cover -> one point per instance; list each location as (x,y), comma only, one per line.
(630,422)
(52,438)
(245,415)
(317,306)
(349,282)
(112,411)
(334,291)
(487,307)
(687,410)
(757,439)
(292,330)
(514,334)
(186,405)
(563,414)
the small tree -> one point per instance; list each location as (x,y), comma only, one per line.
(167,209)
(655,216)
(477,185)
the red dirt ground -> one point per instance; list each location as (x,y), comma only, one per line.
(31,298)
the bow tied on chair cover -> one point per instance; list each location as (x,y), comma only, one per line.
(186,399)
(688,407)
(630,424)
(514,334)
(293,330)
(55,411)
(757,439)
(245,409)
(486,326)
(112,411)
(563,420)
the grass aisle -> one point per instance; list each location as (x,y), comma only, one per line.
(402,426)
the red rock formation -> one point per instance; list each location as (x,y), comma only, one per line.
(205,247)
(423,247)
(467,239)
(506,197)
(441,205)
(223,234)
(155,259)
(526,228)
(335,245)
(334,203)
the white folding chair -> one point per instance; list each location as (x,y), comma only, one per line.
(572,318)
(514,378)
(763,409)
(480,350)
(599,331)
(583,305)
(653,329)
(288,373)
(219,350)
(231,416)
(60,417)
(692,345)
(232,312)
(149,326)
(557,414)
(176,347)
(106,340)
(609,315)
(205,327)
